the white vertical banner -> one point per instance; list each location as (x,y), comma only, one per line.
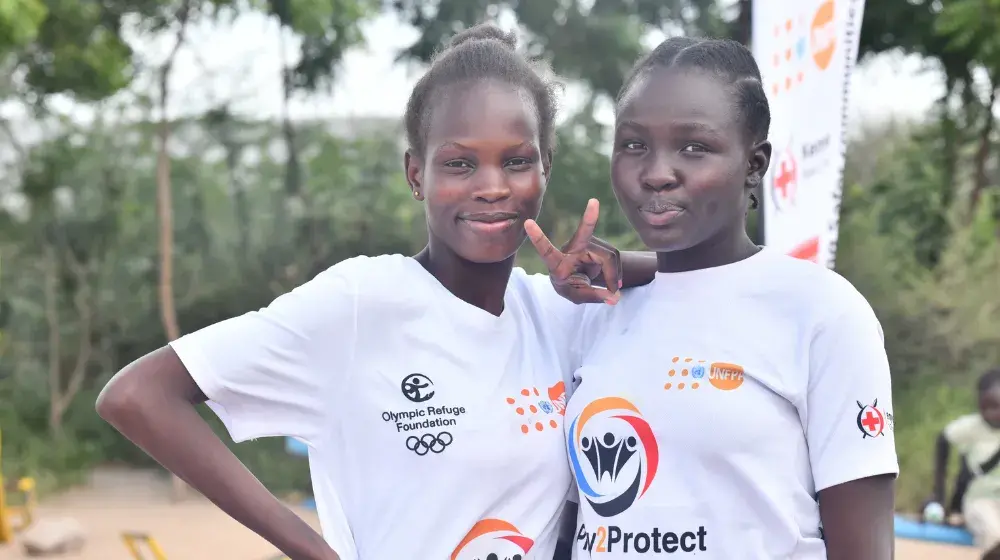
(806,50)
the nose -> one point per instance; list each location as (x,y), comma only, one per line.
(491,186)
(660,174)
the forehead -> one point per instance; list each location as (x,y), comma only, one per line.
(671,95)
(482,110)
(991,393)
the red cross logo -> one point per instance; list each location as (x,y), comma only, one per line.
(870,420)
(785,180)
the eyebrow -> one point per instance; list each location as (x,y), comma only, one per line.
(461,146)
(685,126)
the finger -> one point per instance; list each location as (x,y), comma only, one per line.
(590,294)
(585,230)
(610,270)
(550,255)
(614,253)
(578,284)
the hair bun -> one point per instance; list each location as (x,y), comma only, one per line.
(485,32)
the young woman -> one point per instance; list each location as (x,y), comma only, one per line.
(739,406)
(431,390)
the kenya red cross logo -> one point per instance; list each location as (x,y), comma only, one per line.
(871,422)
(785,180)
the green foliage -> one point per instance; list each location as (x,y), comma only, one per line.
(19,21)
(593,42)
(931,277)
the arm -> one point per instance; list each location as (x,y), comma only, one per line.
(638,268)
(941,452)
(259,373)
(152,402)
(567,532)
(857,519)
(850,431)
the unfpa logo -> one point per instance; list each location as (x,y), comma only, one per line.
(493,539)
(613,454)
(689,373)
(799,38)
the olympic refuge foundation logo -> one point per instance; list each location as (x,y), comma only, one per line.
(614,457)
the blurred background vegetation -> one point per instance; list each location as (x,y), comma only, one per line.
(136,224)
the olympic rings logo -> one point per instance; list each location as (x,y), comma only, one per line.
(428,443)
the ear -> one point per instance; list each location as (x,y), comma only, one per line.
(547,165)
(757,163)
(413,166)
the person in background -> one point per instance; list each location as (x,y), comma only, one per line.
(976,438)
(430,389)
(740,405)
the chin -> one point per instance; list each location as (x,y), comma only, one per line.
(489,255)
(666,241)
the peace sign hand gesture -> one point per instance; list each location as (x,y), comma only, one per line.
(579,269)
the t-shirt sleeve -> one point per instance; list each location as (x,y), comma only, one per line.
(849,424)
(271,372)
(963,432)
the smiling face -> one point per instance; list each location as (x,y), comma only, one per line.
(483,173)
(682,160)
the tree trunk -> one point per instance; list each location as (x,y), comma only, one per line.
(983,152)
(164,209)
(55,338)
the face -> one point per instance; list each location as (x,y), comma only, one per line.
(682,162)
(482,174)
(989,405)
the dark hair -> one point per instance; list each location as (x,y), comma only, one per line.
(725,58)
(988,380)
(483,52)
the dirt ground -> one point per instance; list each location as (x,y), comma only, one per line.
(194,529)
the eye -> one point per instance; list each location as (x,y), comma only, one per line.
(458,164)
(694,148)
(633,145)
(519,163)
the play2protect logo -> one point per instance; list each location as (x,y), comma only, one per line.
(614,457)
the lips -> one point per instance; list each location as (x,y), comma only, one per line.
(489,222)
(659,213)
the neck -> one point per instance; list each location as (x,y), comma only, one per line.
(478,284)
(725,248)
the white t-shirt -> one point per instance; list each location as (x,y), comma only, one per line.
(715,404)
(972,437)
(435,429)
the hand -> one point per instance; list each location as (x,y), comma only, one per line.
(583,260)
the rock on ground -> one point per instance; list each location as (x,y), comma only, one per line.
(51,536)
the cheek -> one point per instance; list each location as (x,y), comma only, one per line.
(719,187)
(529,188)
(624,175)
(443,189)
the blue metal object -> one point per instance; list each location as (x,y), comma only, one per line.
(910,529)
(296,447)
(299,449)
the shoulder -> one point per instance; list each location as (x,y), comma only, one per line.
(364,275)
(964,426)
(818,295)
(363,267)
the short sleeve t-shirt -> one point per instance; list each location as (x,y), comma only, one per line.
(715,404)
(972,437)
(435,429)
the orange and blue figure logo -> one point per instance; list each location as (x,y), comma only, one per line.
(493,539)
(613,454)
